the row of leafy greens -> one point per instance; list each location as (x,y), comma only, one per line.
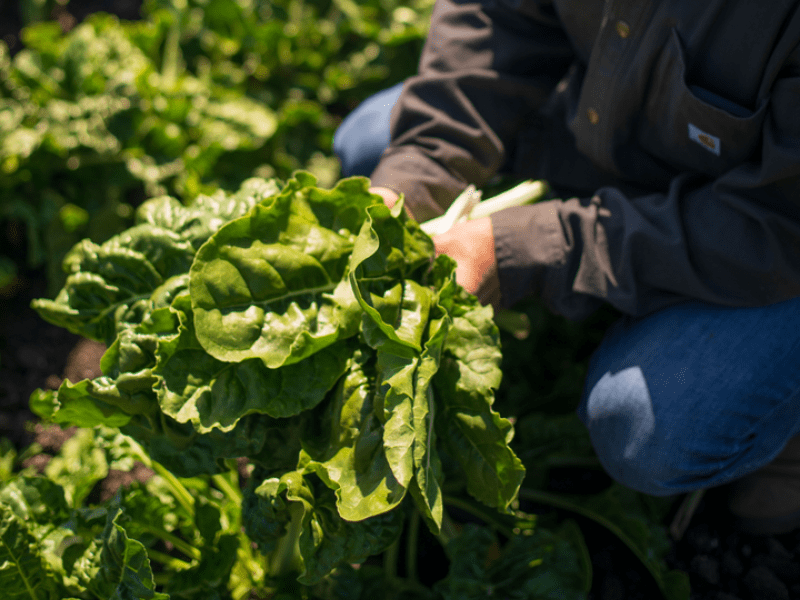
(310,330)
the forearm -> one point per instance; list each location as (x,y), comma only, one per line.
(642,254)
(486,68)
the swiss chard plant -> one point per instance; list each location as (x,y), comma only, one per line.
(311,331)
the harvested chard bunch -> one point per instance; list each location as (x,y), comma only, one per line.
(309,330)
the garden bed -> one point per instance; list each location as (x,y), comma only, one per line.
(722,564)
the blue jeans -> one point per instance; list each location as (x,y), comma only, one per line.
(364,134)
(693,396)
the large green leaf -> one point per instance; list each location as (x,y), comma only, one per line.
(196,223)
(33,538)
(107,281)
(74,405)
(197,387)
(426,486)
(117,567)
(294,502)
(23,570)
(120,281)
(346,449)
(126,386)
(269,285)
(475,435)
(389,252)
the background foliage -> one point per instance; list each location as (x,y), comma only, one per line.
(196,96)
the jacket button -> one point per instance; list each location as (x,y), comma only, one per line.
(592,115)
(623,29)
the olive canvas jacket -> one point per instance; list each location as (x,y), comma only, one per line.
(671,130)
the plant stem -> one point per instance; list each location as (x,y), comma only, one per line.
(411,547)
(285,558)
(182,495)
(390,558)
(685,512)
(226,487)
(483,516)
(180,544)
(557,501)
(168,561)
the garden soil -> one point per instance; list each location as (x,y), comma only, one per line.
(722,563)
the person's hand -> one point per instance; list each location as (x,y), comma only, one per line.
(471,245)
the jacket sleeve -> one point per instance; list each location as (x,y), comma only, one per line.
(732,240)
(485,68)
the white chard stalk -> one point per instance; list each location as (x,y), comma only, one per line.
(468,205)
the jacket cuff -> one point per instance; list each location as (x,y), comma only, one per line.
(429,188)
(528,240)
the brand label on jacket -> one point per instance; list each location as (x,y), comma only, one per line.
(706,140)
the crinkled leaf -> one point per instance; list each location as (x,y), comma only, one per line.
(187,453)
(196,223)
(197,387)
(79,465)
(475,434)
(326,540)
(107,280)
(40,503)
(117,567)
(267,285)
(347,450)
(74,404)
(108,283)
(396,405)
(427,465)
(24,574)
(126,387)
(36,500)
(389,249)
(265,515)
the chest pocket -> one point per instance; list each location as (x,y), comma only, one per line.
(692,128)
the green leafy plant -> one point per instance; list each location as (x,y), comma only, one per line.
(180,536)
(313,333)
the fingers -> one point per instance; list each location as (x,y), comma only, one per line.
(471,245)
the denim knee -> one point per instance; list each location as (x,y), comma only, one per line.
(618,413)
(364,134)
